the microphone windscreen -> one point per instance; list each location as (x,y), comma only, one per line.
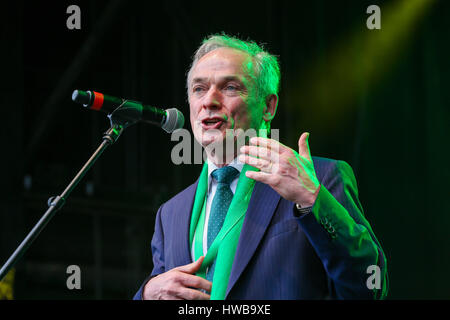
(81,97)
(174,120)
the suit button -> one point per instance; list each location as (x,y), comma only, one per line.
(328,227)
(332,232)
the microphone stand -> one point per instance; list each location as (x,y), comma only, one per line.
(118,124)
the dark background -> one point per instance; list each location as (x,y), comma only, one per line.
(378,99)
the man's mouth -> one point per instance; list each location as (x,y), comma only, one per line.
(212,123)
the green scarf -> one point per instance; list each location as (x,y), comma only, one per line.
(225,244)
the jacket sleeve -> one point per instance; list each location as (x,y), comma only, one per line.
(157,253)
(343,239)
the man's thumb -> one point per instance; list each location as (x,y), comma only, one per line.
(303,146)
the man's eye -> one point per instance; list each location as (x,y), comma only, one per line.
(197,89)
(231,87)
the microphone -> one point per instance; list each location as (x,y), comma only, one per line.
(169,120)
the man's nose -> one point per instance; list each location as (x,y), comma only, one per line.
(212,99)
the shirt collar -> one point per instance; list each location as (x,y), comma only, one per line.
(211,167)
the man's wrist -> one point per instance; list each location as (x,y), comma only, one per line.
(307,200)
(145,285)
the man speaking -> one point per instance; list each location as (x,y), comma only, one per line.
(263,221)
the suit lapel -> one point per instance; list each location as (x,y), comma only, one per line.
(181,223)
(260,210)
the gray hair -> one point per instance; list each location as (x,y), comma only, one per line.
(265,66)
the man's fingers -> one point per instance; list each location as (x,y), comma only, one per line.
(192,294)
(191,267)
(272,144)
(260,176)
(261,153)
(262,164)
(196,282)
(303,146)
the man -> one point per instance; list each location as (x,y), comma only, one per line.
(262,221)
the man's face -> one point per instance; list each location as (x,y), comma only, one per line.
(222,95)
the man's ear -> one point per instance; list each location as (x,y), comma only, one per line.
(270,107)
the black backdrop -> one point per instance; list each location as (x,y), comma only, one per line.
(391,125)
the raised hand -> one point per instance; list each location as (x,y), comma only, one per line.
(289,173)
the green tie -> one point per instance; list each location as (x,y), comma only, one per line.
(219,207)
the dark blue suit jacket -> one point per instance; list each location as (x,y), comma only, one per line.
(323,254)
